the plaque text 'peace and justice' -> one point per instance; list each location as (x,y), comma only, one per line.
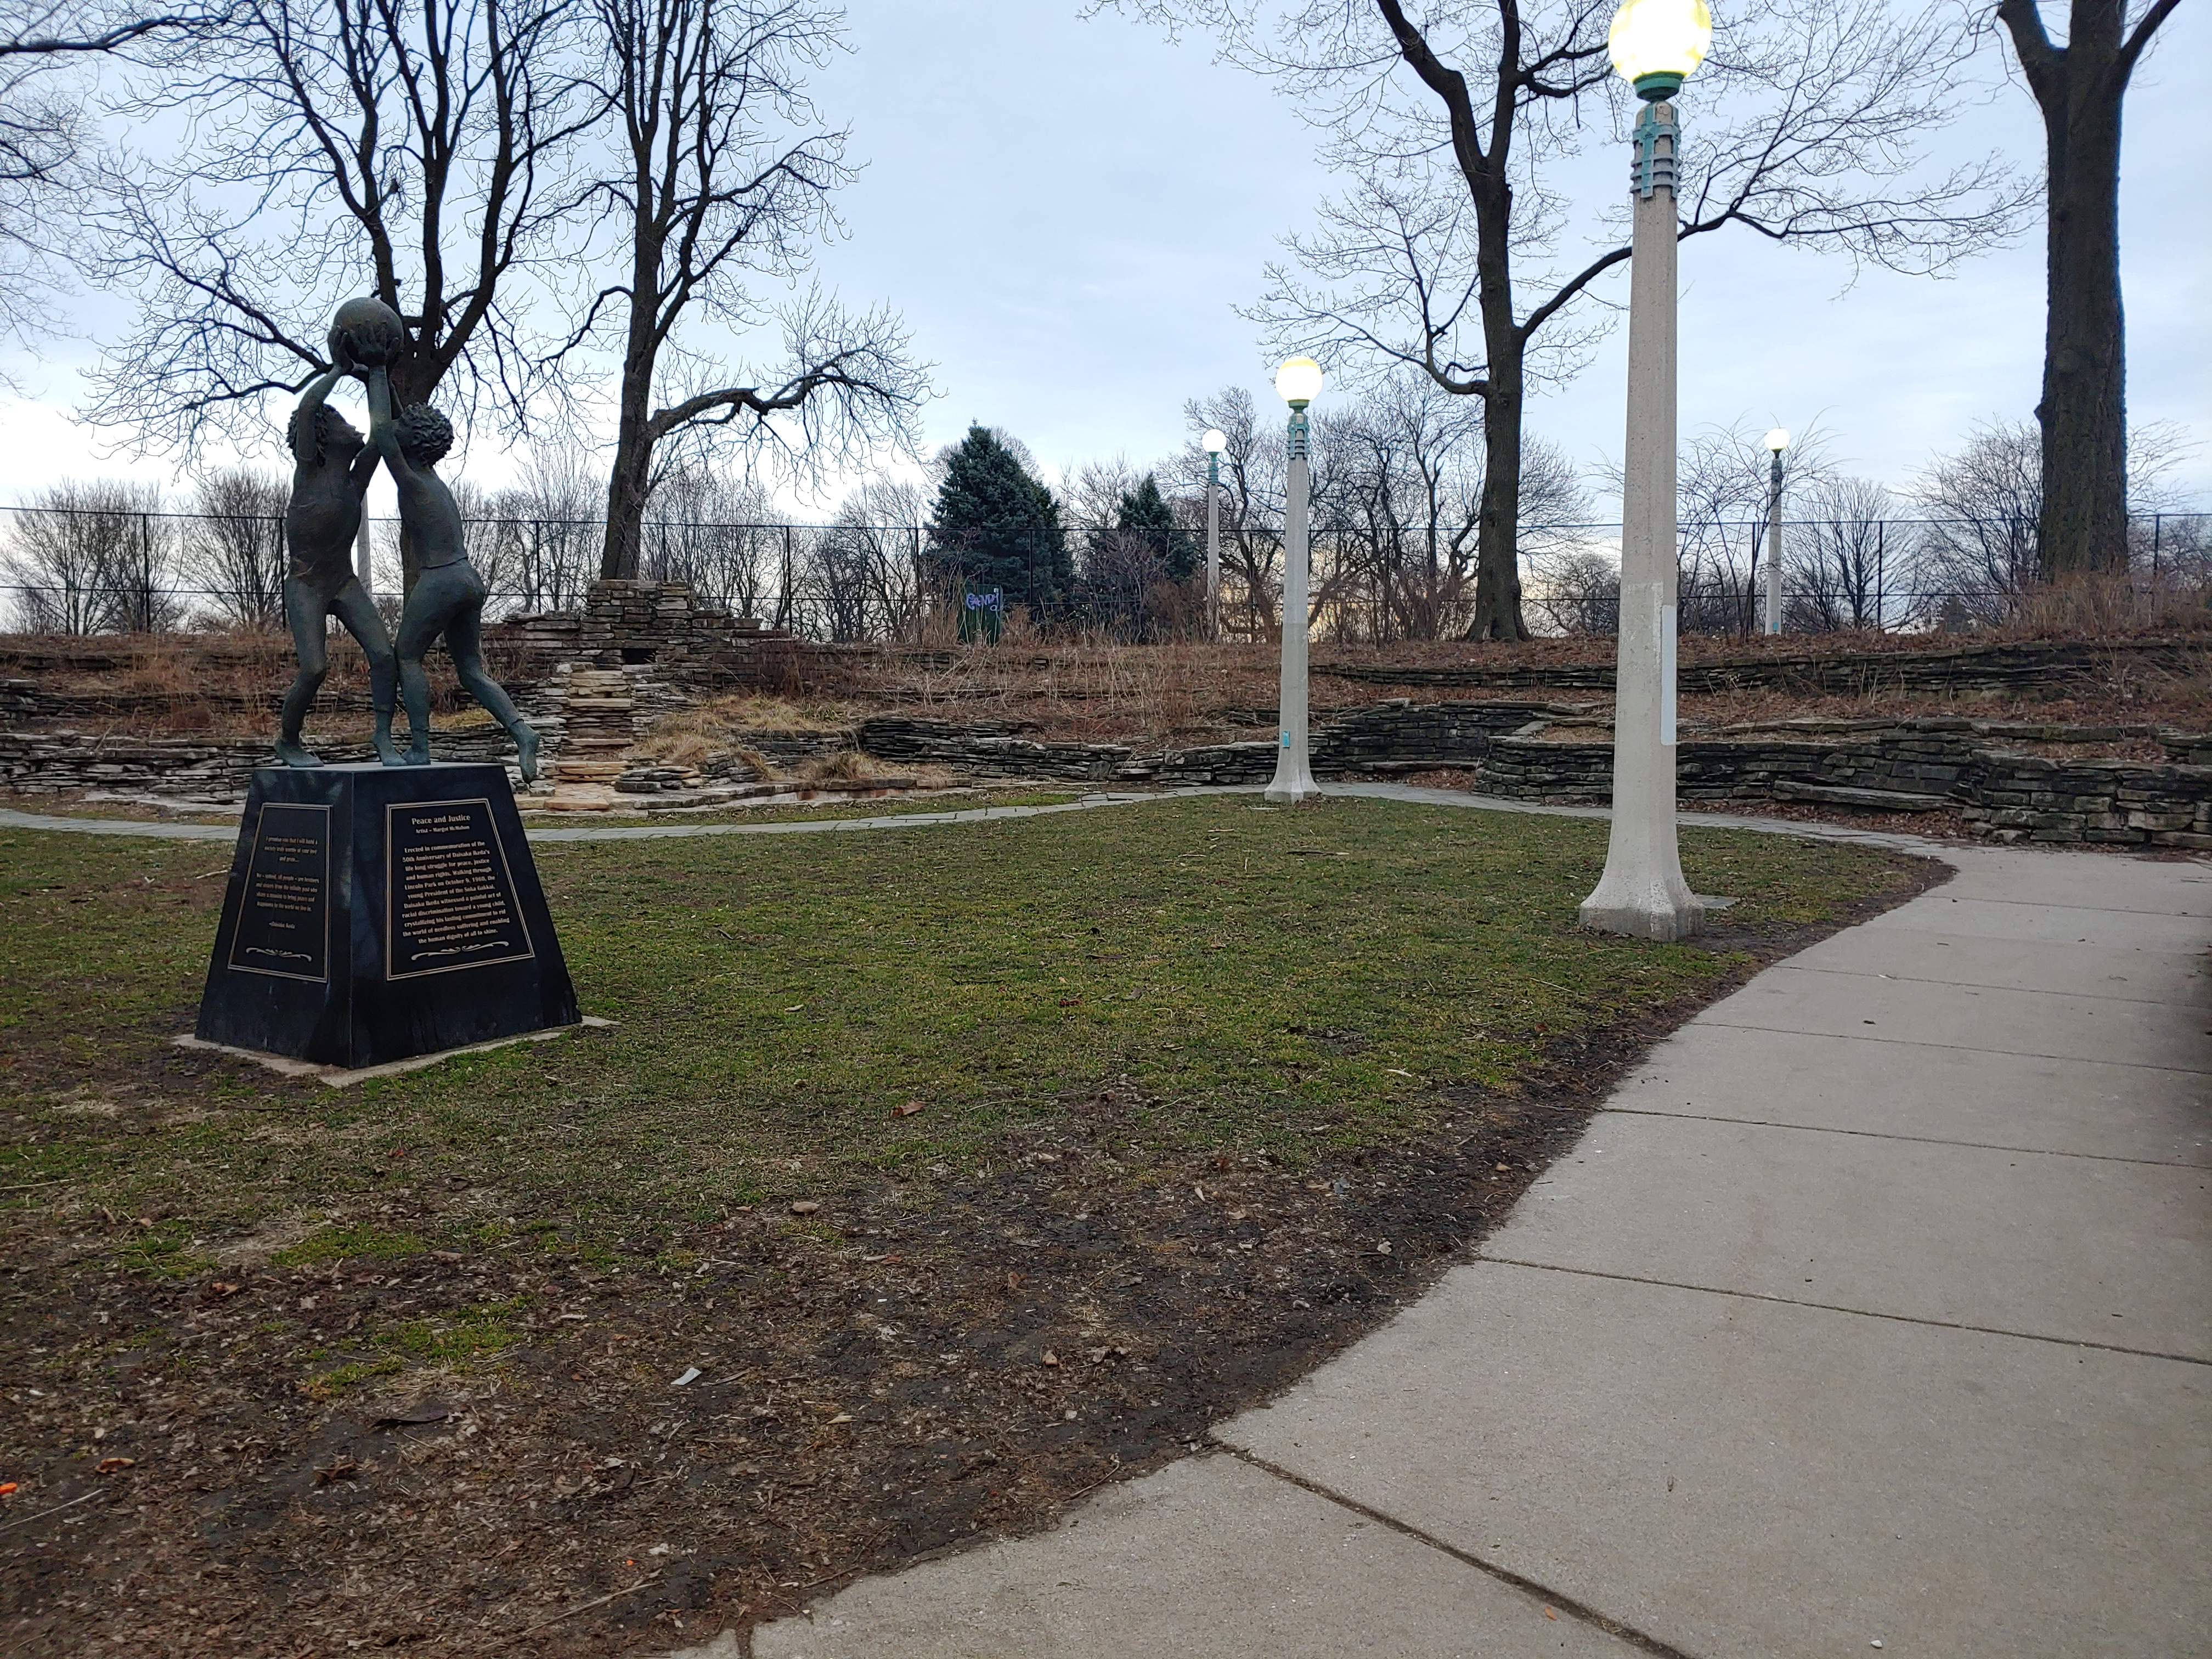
(449,897)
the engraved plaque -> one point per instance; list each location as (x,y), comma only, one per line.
(284,920)
(449,895)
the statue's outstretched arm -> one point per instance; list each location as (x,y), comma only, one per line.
(383,430)
(312,399)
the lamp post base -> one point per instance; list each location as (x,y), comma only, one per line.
(1293,790)
(1656,908)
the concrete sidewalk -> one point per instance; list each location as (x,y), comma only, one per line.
(1875,1310)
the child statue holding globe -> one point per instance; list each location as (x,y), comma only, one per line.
(332,467)
(449,596)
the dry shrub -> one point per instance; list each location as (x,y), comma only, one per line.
(686,737)
(845,766)
(2108,605)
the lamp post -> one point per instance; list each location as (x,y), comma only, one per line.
(1213,443)
(1654,45)
(1777,441)
(1298,383)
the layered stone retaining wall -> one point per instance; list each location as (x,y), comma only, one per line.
(59,762)
(2024,669)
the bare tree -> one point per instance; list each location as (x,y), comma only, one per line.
(1450,125)
(1579,593)
(43,44)
(551,521)
(413,149)
(1721,496)
(1836,549)
(724,173)
(1983,507)
(2080,87)
(1254,468)
(233,552)
(92,558)
(721,538)
(1981,545)
(865,570)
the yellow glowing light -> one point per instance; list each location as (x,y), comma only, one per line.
(1662,38)
(1297,382)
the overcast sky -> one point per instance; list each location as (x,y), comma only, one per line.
(1069,213)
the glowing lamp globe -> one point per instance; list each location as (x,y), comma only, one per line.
(1778,441)
(1214,442)
(1655,44)
(1297,382)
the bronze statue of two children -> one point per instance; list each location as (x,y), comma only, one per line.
(333,464)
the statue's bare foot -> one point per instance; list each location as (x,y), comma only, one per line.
(290,751)
(387,750)
(525,753)
(417,755)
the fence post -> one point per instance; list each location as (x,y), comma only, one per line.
(1880,548)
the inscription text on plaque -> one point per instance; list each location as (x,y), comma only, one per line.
(284,921)
(449,898)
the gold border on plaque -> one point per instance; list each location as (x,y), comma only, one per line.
(236,966)
(529,951)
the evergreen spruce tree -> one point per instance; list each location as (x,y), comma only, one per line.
(1145,510)
(997,525)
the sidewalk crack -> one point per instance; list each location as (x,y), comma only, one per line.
(1886,1134)
(1859,1313)
(1566,1604)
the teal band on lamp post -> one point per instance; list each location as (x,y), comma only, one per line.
(1298,382)
(1213,443)
(1655,44)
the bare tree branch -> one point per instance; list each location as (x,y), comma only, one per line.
(724,174)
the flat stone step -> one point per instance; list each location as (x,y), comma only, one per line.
(1880,801)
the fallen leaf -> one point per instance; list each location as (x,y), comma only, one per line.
(906,1110)
(1013,1281)
(1069,1002)
(1383,1248)
(110,1465)
(804,1207)
(344,1470)
(1050,1358)
(7,1488)
(841,1417)
(1548,1613)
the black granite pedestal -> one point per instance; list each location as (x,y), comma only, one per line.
(377,913)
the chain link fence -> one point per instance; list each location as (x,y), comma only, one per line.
(91,571)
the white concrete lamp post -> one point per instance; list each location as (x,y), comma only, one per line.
(1213,443)
(1298,383)
(1777,441)
(1655,44)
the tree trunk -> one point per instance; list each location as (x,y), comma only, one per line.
(631,480)
(1505,345)
(2078,87)
(1497,554)
(2084,408)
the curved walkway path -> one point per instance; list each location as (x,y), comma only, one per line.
(1873,1312)
(11,819)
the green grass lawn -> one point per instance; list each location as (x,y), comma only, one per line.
(1285,982)
(1204,1091)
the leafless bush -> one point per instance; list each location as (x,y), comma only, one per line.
(93,558)
(233,548)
